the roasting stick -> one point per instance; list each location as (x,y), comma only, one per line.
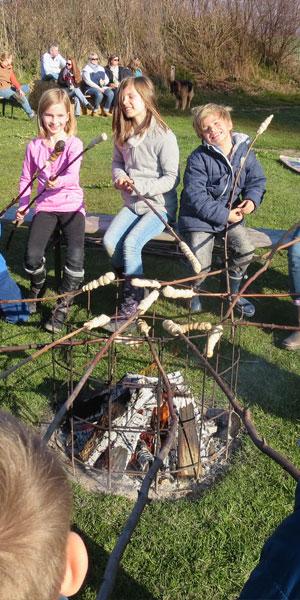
(57,151)
(143,306)
(100,138)
(182,245)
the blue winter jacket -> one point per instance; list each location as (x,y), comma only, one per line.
(208,181)
(277,575)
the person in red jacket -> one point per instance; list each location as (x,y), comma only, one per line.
(10,87)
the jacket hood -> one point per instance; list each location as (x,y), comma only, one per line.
(237,138)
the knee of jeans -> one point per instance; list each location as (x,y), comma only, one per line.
(109,245)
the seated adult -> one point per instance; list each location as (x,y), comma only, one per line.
(135,67)
(116,73)
(292,342)
(95,84)
(51,64)
(70,79)
(10,87)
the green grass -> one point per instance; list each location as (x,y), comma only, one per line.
(205,547)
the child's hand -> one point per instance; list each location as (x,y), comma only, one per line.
(51,184)
(235,215)
(247,206)
(125,184)
(20,216)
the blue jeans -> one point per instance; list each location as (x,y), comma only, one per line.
(79,98)
(8,93)
(294,268)
(126,237)
(98,96)
(202,244)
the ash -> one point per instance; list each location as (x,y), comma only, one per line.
(114,434)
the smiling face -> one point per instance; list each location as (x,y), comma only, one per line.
(55,118)
(216,130)
(133,105)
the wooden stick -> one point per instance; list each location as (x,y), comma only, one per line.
(183,246)
(100,138)
(244,414)
(143,499)
(57,151)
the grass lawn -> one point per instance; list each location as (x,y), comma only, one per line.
(186,549)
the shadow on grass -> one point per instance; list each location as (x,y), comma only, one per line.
(125,587)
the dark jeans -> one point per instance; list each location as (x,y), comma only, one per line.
(72,225)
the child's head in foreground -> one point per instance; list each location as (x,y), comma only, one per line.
(210,117)
(39,557)
(55,104)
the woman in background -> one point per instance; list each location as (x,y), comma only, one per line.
(10,87)
(69,78)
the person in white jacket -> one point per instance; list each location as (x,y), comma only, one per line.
(51,64)
(95,84)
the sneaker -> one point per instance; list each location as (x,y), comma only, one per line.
(245,308)
(32,115)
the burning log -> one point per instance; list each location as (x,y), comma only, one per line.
(188,443)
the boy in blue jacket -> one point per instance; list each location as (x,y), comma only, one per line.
(16,312)
(206,207)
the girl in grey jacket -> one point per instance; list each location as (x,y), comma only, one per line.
(146,156)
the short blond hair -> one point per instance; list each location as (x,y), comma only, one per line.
(201,112)
(56,96)
(35,510)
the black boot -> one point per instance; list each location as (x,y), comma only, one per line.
(243,306)
(37,287)
(292,342)
(131,297)
(71,282)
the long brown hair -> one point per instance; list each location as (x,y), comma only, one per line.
(75,70)
(122,126)
(56,96)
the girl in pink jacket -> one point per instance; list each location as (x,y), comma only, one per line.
(61,203)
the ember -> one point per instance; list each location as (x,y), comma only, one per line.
(118,431)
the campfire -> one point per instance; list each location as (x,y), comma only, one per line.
(115,433)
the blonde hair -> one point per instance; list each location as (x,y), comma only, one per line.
(56,96)
(35,509)
(201,112)
(123,126)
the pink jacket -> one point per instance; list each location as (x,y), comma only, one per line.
(68,195)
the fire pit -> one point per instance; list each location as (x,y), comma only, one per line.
(114,433)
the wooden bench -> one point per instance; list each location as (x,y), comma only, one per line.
(163,244)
